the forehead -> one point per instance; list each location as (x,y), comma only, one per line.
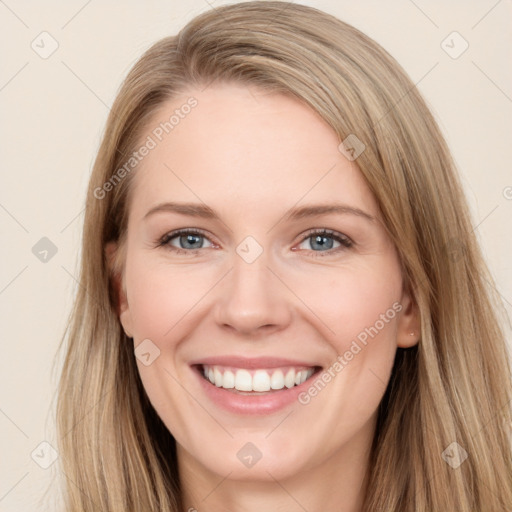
(245,148)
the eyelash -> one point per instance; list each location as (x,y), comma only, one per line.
(345,242)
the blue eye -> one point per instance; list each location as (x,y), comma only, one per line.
(324,240)
(190,241)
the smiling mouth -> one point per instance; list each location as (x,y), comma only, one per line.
(256,381)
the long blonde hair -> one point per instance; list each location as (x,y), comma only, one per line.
(454,386)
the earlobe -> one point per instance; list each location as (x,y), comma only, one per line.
(409,325)
(118,293)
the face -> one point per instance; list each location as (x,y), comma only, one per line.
(281,280)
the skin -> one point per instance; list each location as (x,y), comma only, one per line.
(252,155)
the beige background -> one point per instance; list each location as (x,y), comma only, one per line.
(53,113)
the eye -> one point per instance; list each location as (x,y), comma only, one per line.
(187,241)
(324,239)
(190,241)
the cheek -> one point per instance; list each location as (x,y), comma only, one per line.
(161,296)
(358,311)
(360,302)
(162,302)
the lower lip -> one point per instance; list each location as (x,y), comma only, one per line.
(261,403)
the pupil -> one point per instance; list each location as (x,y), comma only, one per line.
(321,239)
(190,239)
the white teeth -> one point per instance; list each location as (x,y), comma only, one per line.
(289,380)
(261,381)
(258,380)
(243,380)
(228,380)
(277,380)
(218,377)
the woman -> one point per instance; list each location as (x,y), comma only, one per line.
(329,339)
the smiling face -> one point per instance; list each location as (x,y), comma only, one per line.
(258,284)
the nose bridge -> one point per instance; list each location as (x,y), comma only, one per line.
(252,296)
(251,276)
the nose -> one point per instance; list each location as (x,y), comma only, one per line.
(252,299)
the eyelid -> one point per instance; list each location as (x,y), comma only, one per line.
(164,240)
(345,241)
(326,231)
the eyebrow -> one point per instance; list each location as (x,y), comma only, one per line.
(205,212)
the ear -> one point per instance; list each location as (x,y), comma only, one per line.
(116,273)
(409,325)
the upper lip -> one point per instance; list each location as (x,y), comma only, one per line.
(252,362)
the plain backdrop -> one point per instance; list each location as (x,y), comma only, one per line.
(54,108)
